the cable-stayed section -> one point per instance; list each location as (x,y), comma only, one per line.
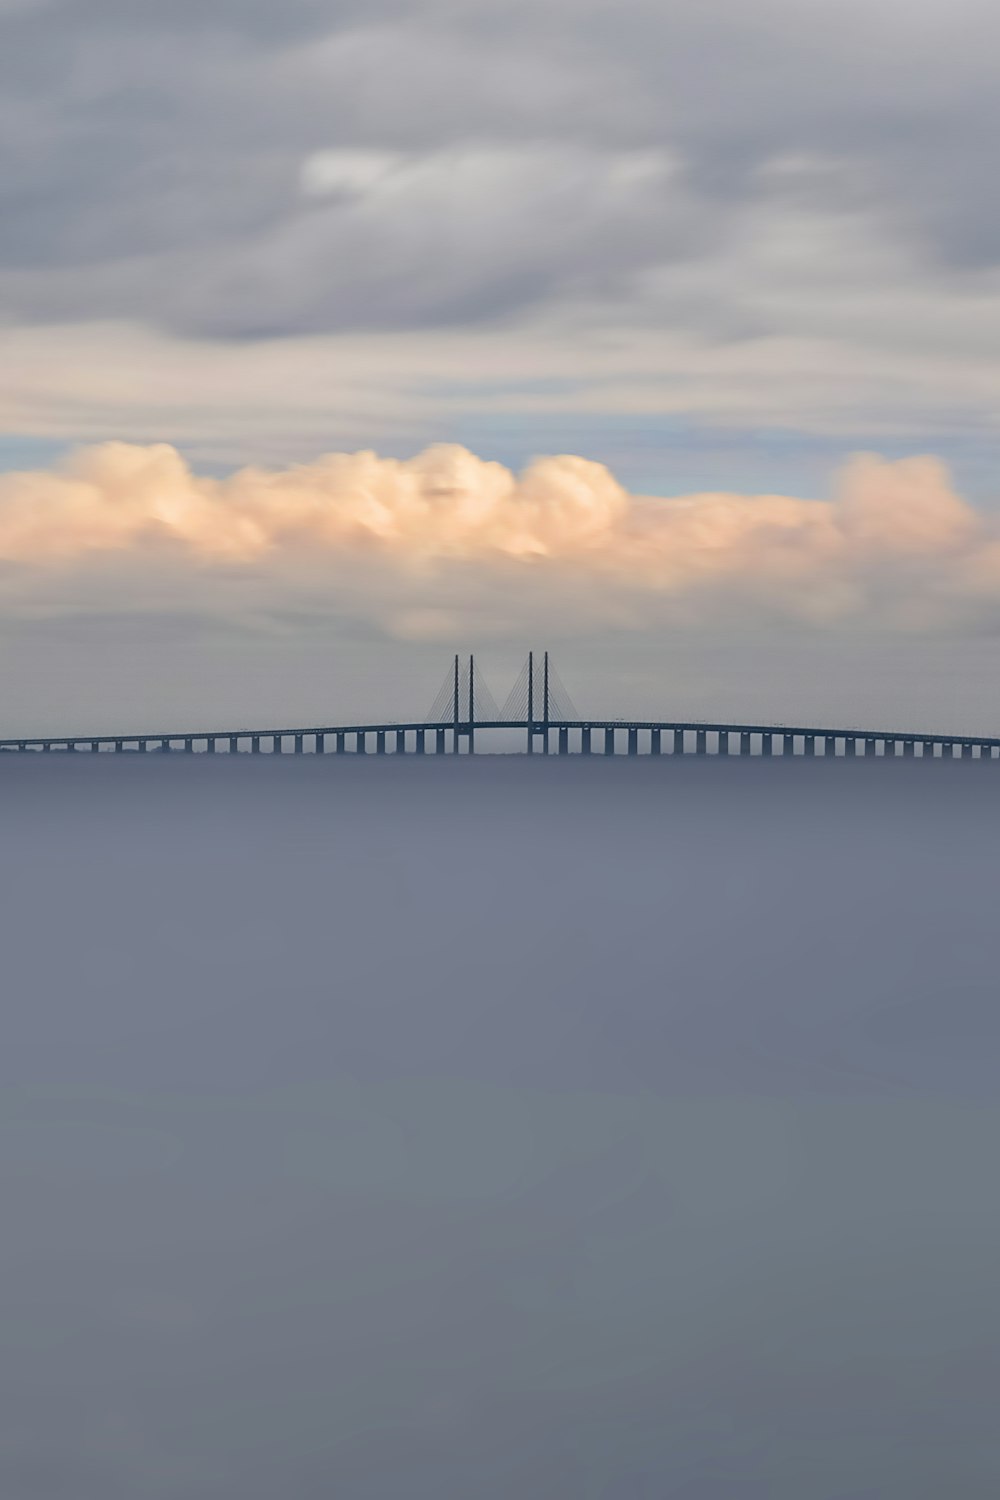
(561,705)
(443,706)
(516,705)
(476,698)
(477,705)
(539,693)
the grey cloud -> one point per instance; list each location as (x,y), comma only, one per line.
(152,154)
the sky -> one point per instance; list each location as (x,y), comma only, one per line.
(334,338)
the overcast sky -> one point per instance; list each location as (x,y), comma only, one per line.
(713,247)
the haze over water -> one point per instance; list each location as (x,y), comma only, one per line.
(461,1130)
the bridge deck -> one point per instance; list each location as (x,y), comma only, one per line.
(585,728)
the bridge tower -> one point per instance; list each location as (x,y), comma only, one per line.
(455,712)
(531,702)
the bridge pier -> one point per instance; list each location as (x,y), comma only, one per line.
(767,744)
(654,742)
(380,742)
(400,741)
(830,746)
(722,742)
(966,752)
(298,744)
(746,747)
(209,745)
(339,744)
(255,744)
(986,752)
(360,743)
(564,742)
(420,742)
(118,746)
(609,742)
(871,747)
(788,744)
(700,742)
(678,742)
(439,746)
(927,750)
(633,742)
(585,740)
(850,746)
(234,744)
(809,747)
(908,748)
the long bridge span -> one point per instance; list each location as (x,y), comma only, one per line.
(539,708)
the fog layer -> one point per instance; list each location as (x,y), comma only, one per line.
(460,1130)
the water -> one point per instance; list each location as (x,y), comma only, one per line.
(468,1129)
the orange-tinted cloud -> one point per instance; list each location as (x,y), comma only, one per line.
(893,530)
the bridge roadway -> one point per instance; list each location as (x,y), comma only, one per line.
(578,736)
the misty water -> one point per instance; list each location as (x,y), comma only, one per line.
(468,1130)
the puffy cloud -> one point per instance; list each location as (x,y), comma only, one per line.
(423,545)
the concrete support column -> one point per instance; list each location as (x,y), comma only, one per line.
(810,744)
(143,745)
(298,744)
(927,750)
(234,744)
(255,744)
(118,746)
(850,746)
(745,746)
(609,742)
(633,742)
(722,748)
(986,752)
(767,744)
(908,747)
(439,742)
(870,746)
(188,745)
(788,744)
(209,745)
(339,744)
(400,741)
(380,742)
(678,742)
(420,742)
(585,740)
(830,746)
(654,742)
(700,742)
(360,743)
(966,752)
(277,744)
(94,745)
(564,742)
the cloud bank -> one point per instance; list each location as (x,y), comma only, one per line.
(448,541)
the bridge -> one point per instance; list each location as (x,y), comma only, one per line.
(539,707)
